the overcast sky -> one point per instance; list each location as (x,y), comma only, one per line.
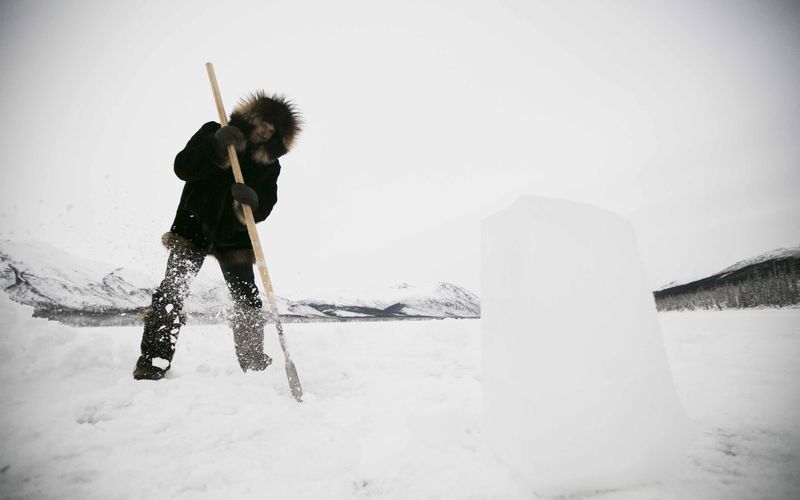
(423,118)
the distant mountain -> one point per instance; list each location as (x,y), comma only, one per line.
(74,290)
(778,255)
(770,279)
(440,300)
(40,275)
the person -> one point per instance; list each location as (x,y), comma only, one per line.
(210,221)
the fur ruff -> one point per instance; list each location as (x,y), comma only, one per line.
(275,109)
(178,243)
(236,257)
(261,155)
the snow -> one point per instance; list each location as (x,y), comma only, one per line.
(65,274)
(780,253)
(574,402)
(42,275)
(370,296)
(433,298)
(57,278)
(737,374)
(345,314)
(393,410)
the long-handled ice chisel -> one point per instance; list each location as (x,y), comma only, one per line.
(291,371)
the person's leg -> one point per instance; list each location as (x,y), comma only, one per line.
(247,319)
(164,318)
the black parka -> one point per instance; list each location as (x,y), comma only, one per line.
(205,214)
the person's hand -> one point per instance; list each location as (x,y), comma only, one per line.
(244,194)
(228,135)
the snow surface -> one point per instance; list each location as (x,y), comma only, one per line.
(393,410)
(574,401)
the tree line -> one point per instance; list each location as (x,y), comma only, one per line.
(774,283)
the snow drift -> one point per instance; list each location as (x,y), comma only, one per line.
(578,392)
(393,411)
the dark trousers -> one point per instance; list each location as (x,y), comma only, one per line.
(164,319)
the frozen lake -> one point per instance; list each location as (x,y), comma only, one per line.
(392,410)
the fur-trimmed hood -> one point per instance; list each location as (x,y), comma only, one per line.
(275,109)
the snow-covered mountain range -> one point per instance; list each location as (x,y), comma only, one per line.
(778,254)
(741,268)
(65,287)
(434,300)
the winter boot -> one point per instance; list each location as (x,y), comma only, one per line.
(145,370)
(161,327)
(247,324)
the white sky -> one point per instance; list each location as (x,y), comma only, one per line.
(422,118)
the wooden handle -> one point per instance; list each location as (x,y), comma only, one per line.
(291,371)
(223,120)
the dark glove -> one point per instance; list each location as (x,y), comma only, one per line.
(244,194)
(228,135)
